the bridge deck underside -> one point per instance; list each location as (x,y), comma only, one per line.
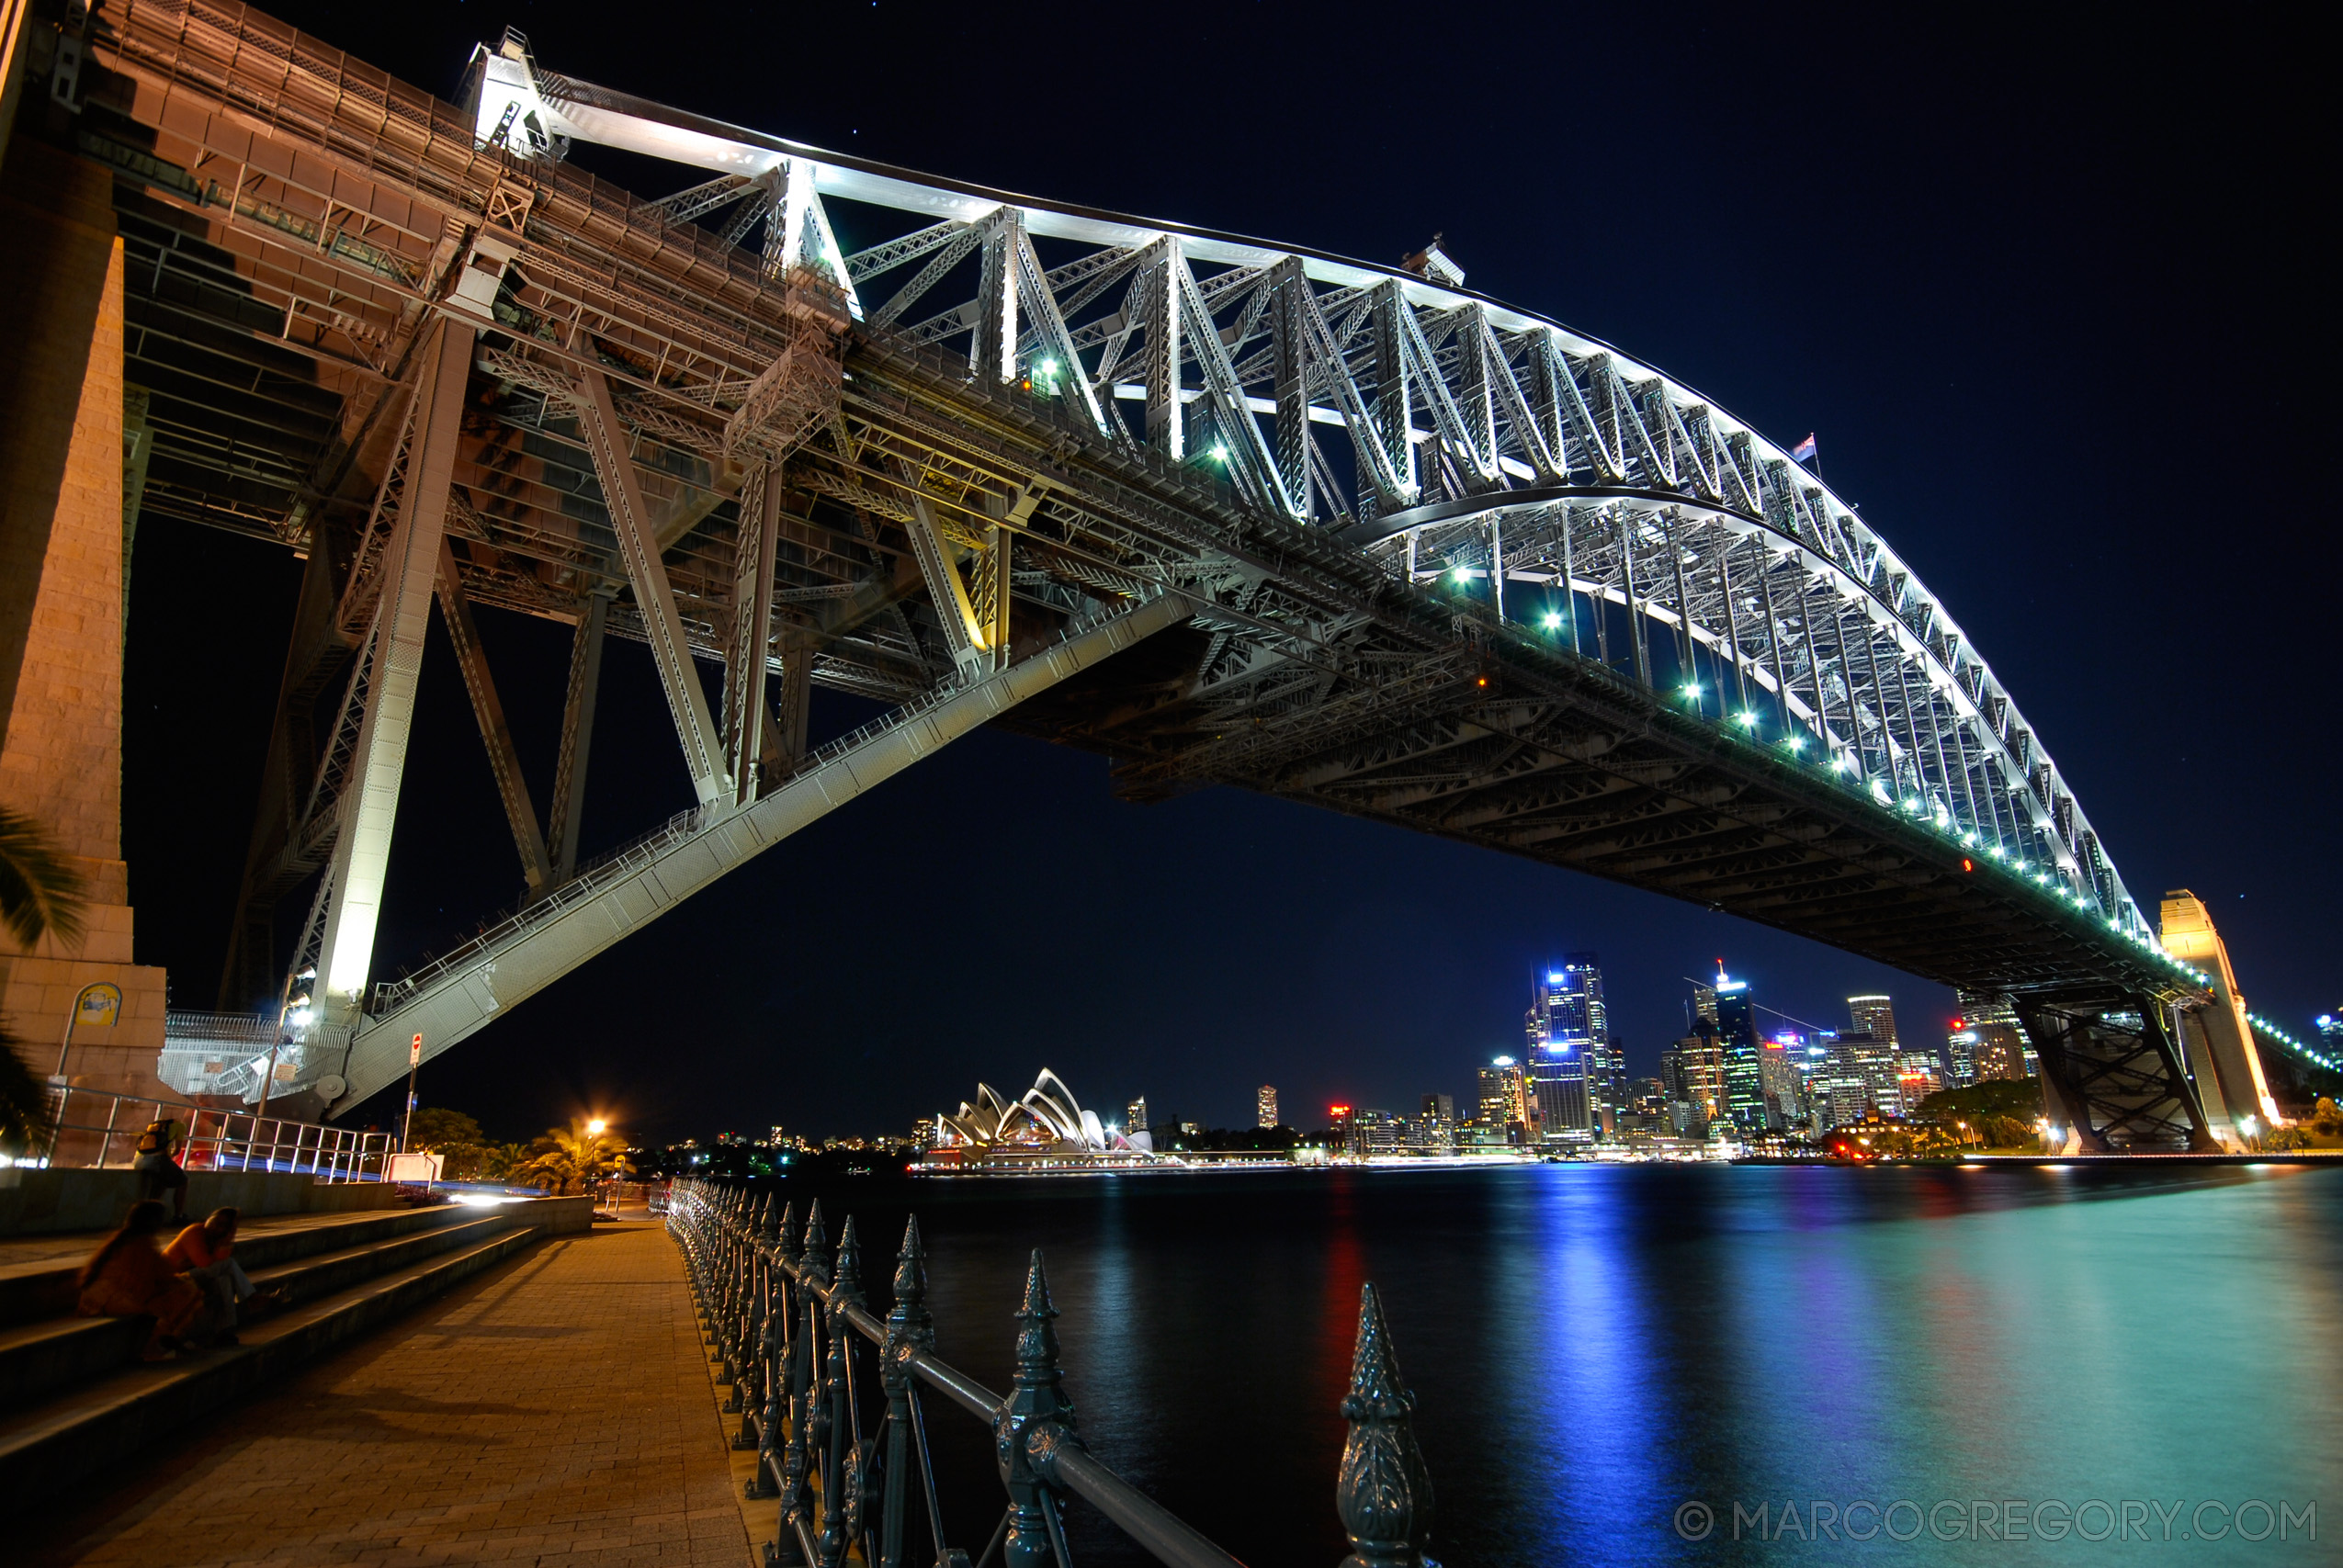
(1587,782)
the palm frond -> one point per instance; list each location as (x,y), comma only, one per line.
(40,893)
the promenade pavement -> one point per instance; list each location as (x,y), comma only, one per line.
(557,1410)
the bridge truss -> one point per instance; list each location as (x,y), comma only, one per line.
(1374,541)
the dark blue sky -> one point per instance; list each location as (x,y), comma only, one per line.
(2045,295)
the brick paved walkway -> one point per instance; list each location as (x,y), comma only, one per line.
(557,1410)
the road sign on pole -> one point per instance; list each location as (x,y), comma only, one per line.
(415,1064)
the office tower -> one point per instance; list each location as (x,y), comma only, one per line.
(2330,1031)
(1568,1034)
(1504,1099)
(2000,1052)
(1440,1108)
(1979,1007)
(1704,1003)
(1874,1016)
(1782,1083)
(1875,1061)
(1961,1053)
(1134,1116)
(1737,1031)
(1692,1072)
(1265,1106)
(1919,1075)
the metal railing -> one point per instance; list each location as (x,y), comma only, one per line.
(784,1313)
(95,1130)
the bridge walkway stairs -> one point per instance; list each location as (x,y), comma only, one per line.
(75,1397)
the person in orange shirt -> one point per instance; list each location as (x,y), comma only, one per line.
(205,1253)
(128,1278)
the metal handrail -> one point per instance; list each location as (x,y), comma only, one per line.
(777,1306)
(215,1139)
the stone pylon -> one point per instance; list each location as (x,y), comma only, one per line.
(64,542)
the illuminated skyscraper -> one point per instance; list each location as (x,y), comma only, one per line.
(1737,1031)
(1781,1082)
(1504,1099)
(1134,1116)
(1575,1075)
(1692,1072)
(1265,1106)
(1874,1016)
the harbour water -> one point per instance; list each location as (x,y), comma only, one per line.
(1594,1348)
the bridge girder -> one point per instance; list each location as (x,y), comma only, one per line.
(1557,605)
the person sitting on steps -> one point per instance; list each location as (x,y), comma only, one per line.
(128,1278)
(205,1253)
(158,1164)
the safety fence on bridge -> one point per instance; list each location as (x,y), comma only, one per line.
(842,1457)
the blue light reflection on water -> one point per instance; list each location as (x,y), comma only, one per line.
(1591,1346)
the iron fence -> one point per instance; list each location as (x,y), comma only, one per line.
(786,1317)
(95,1130)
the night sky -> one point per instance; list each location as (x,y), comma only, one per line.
(2045,298)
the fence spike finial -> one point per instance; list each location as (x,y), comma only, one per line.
(849,1273)
(814,1260)
(1384,1492)
(909,1322)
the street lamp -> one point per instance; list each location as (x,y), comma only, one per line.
(594,1128)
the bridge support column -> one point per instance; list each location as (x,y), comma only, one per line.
(2218,1038)
(62,563)
(2112,1071)
(411,566)
(577,735)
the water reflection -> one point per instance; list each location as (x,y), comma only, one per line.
(1591,1346)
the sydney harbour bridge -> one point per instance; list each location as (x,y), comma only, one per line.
(1224,511)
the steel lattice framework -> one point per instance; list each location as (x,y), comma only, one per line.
(1342,533)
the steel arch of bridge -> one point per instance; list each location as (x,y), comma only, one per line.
(1481,442)
(1434,559)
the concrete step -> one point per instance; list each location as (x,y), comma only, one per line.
(79,1432)
(37,1358)
(37,1276)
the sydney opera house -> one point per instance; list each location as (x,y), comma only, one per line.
(1045,1130)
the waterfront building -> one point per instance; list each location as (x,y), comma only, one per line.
(1440,1108)
(1374,1132)
(1134,1115)
(1265,1106)
(1875,1016)
(1568,1031)
(1046,1128)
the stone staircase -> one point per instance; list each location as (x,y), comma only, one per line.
(73,1396)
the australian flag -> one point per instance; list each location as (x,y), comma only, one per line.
(1804,451)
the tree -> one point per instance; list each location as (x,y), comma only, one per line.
(40,893)
(24,1101)
(456,1138)
(563,1156)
